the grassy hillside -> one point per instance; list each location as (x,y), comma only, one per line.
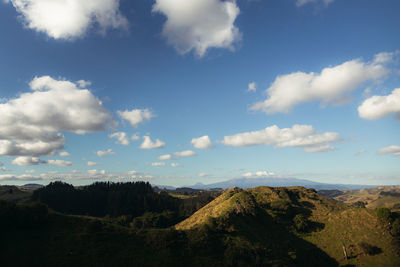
(14,194)
(331,225)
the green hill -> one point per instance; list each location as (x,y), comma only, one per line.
(14,194)
(330,224)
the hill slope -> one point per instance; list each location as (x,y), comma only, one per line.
(330,225)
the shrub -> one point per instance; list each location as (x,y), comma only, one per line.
(300,222)
(396,227)
(384,214)
(369,249)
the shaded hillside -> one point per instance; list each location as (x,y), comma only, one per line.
(14,194)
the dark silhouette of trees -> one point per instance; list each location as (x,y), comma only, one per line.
(105,198)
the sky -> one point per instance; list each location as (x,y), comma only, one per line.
(178,92)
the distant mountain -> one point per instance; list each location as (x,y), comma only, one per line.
(158,188)
(274,182)
(31,186)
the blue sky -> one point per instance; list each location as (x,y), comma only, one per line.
(288,88)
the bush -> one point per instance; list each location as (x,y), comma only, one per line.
(384,214)
(369,249)
(300,222)
(396,227)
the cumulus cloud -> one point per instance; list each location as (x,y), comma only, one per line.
(199,24)
(148,144)
(304,2)
(392,150)
(165,157)
(64,154)
(333,85)
(174,165)
(186,153)
(58,162)
(203,142)
(92,163)
(31,124)
(121,137)
(27,161)
(24,177)
(102,153)
(258,174)
(377,107)
(202,174)
(303,136)
(69,19)
(252,87)
(96,172)
(83,83)
(158,164)
(136,116)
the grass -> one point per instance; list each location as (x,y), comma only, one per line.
(14,194)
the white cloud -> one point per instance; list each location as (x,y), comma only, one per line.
(30,171)
(64,154)
(136,116)
(28,161)
(83,83)
(121,137)
(132,172)
(24,177)
(92,163)
(165,157)
(102,153)
(252,87)
(69,19)
(148,144)
(203,142)
(202,174)
(186,153)
(58,162)
(332,86)
(377,107)
(393,150)
(96,172)
(303,136)
(304,2)
(31,124)
(174,165)
(386,57)
(199,24)
(157,164)
(135,137)
(258,174)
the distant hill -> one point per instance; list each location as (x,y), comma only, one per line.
(31,186)
(14,193)
(273,182)
(377,197)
